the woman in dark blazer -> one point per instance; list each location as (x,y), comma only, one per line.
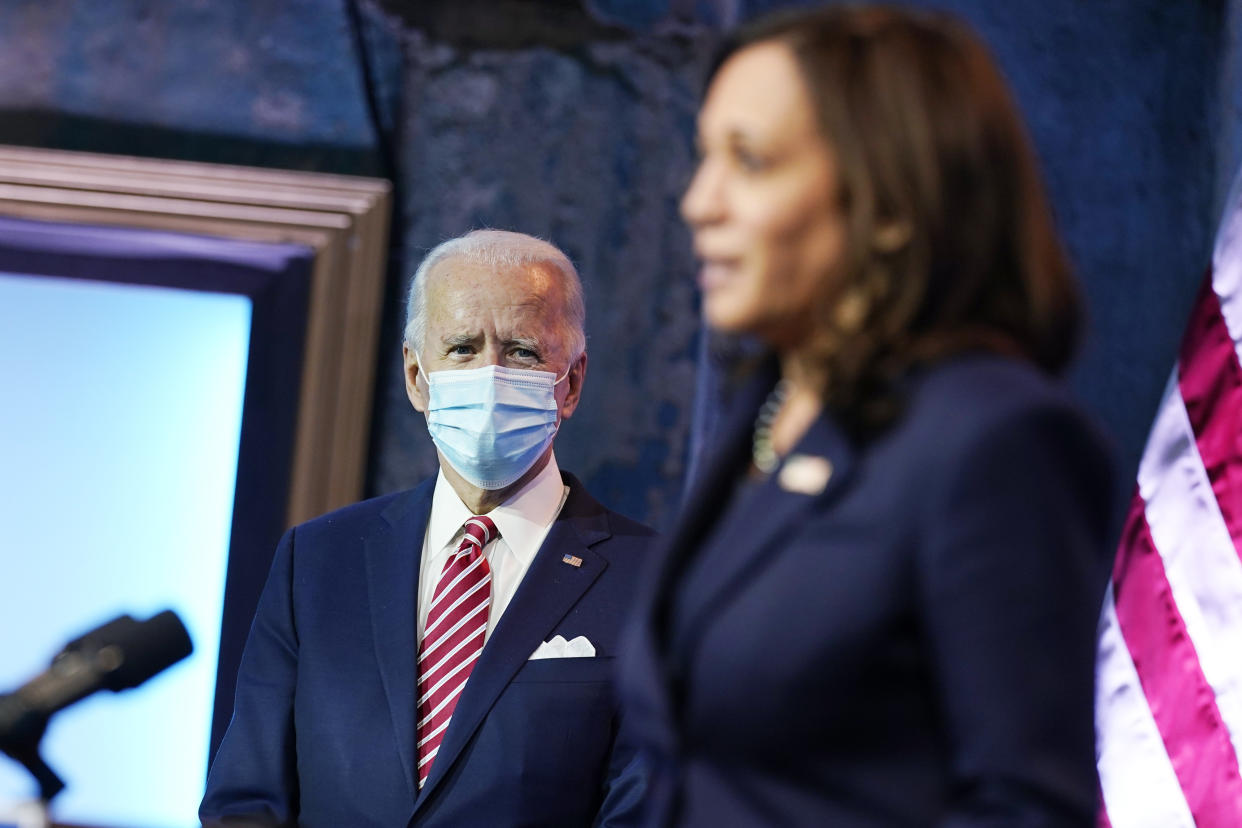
(879,605)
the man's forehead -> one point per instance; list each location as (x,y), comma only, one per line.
(462,300)
(538,279)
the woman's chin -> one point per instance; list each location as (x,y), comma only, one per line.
(726,317)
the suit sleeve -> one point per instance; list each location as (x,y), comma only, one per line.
(625,787)
(1011,579)
(253,780)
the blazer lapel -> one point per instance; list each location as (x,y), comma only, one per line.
(547,593)
(727,459)
(774,513)
(392,560)
(724,462)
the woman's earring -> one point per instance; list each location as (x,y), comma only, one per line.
(891,236)
(851,310)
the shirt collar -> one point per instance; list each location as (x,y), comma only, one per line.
(522,519)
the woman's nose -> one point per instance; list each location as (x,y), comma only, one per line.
(702,202)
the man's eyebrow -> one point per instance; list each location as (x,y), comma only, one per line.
(460,339)
(527,342)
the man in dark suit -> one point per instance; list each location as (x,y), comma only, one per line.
(443,656)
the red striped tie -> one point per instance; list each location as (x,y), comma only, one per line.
(453,638)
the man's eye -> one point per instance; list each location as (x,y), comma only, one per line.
(461,350)
(525,353)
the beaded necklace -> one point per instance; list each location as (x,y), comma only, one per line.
(762,453)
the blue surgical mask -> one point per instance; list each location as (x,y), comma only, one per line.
(492,423)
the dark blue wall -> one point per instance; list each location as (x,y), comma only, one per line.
(573,121)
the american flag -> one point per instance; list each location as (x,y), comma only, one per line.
(1169,667)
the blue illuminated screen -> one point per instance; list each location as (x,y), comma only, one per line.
(120,417)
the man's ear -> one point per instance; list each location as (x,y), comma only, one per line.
(573,386)
(417,395)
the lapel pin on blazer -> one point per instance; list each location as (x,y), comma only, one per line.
(572,560)
(805,474)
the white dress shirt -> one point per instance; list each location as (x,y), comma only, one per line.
(523,522)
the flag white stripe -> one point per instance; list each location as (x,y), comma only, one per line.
(1137,780)
(1200,562)
(1204,573)
(1227,264)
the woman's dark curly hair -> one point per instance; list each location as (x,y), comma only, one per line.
(951,244)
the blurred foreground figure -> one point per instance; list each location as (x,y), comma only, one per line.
(444,656)
(879,605)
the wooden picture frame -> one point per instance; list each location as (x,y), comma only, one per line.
(342,222)
(343,219)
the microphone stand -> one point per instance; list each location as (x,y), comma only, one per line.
(23,716)
(92,662)
(21,742)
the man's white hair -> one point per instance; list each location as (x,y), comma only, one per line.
(498,249)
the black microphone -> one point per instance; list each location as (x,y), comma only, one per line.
(123,653)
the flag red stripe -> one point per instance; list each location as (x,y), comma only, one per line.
(1101,820)
(1181,700)
(1210,381)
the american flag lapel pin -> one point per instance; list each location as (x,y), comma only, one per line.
(572,560)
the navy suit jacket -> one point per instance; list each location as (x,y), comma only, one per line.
(323,732)
(911,646)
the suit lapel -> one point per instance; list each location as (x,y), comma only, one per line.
(772,512)
(548,591)
(392,561)
(725,461)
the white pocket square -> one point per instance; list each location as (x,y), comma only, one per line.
(558,647)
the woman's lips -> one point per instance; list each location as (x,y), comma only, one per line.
(715,272)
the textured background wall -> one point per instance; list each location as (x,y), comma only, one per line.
(586,145)
(573,120)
